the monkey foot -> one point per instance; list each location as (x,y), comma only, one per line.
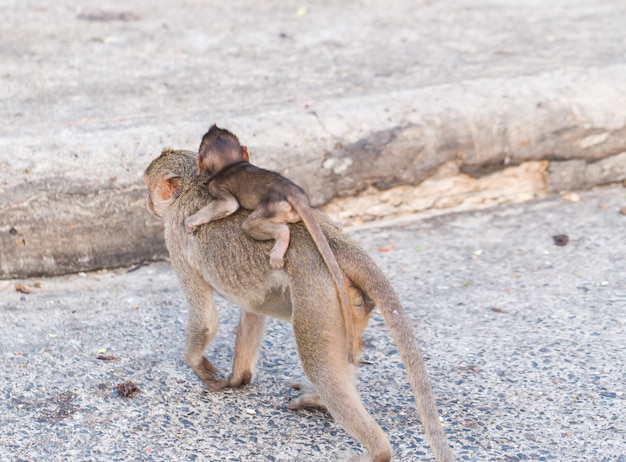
(237,380)
(277,262)
(309,397)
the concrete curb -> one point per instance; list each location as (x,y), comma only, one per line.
(340,149)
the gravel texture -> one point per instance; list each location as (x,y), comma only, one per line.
(524,341)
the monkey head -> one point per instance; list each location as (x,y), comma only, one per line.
(164,179)
(219,148)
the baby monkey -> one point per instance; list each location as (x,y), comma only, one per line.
(274,201)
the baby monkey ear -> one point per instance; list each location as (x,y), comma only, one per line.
(244,153)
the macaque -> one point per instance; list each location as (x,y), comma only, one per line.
(219,257)
(274,201)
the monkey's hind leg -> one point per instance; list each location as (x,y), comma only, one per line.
(277,255)
(264,225)
(322,347)
(361,309)
(249,336)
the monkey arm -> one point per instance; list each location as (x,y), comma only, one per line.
(215,210)
(202,324)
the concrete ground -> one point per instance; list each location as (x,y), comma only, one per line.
(523,338)
(378,109)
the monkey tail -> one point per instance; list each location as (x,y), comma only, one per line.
(366,275)
(302,206)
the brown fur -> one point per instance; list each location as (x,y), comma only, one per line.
(220,257)
(274,201)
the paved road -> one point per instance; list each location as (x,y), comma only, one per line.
(524,342)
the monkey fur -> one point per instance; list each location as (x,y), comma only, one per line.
(274,201)
(220,257)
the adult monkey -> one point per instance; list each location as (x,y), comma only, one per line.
(221,257)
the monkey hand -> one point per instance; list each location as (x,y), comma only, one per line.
(190,224)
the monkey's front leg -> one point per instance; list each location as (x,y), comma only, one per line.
(202,326)
(219,208)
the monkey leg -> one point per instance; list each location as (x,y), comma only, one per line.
(322,346)
(249,335)
(202,326)
(263,228)
(362,309)
(277,255)
(194,221)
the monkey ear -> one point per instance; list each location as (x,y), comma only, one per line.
(171,186)
(244,153)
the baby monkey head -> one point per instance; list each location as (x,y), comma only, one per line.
(219,149)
